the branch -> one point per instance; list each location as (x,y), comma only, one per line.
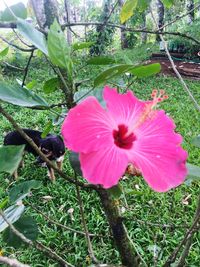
(129,29)
(50,253)
(27,67)
(16,46)
(36,148)
(12,262)
(11,25)
(59,224)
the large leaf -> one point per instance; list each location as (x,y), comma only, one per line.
(79,46)
(20,96)
(22,189)
(51,85)
(75,163)
(168,3)
(58,49)
(196,141)
(12,214)
(4,52)
(84,93)
(111,73)
(19,11)
(146,70)
(11,157)
(25,225)
(128,10)
(101,60)
(32,35)
(193,173)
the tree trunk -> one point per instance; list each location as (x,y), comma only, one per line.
(161,12)
(123,38)
(67,11)
(45,11)
(143,26)
(119,231)
(189,6)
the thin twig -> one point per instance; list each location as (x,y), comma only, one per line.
(190,232)
(185,87)
(38,151)
(16,46)
(22,41)
(90,249)
(12,262)
(49,252)
(27,67)
(59,224)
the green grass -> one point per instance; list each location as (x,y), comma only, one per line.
(144,205)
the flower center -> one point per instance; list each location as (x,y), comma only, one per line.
(121,138)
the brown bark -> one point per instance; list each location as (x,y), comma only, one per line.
(119,231)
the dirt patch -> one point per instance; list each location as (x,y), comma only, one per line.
(186,69)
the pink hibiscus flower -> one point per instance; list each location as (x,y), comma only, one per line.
(127,131)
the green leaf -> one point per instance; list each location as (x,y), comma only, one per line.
(12,214)
(4,52)
(101,60)
(128,10)
(4,203)
(19,11)
(11,157)
(31,84)
(75,163)
(20,96)
(84,93)
(47,129)
(116,191)
(32,35)
(193,173)
(51,85)
(22,189)
(111,73)
(142,5)
(196,141)
(146,70)
(78,46)
(25,225)
(58,49)
(168,3)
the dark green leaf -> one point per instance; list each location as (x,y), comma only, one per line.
(51,85)
(47,129)
(101,60)
(22,189)
(25,225)
(196,141)
(12,214)
(193,174)
(111,73)
(4,52)
(19,11)
(146,70)
(20,96)
(58,49)
(75,163)
(78,46)
(32,35)
(116,191)
(11,157)
(128,10)
(142,5)
(168,3)
(84,93)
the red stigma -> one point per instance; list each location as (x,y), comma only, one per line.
(121,138)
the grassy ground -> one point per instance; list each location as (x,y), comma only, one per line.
(145,211)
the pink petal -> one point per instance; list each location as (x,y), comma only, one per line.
(124,108)
(104,167)
(157,153)
(88,127)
